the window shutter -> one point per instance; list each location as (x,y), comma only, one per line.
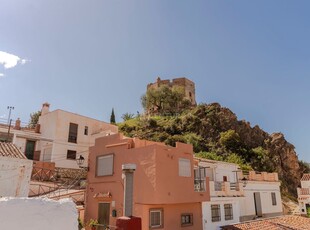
(184,167)
(105,165)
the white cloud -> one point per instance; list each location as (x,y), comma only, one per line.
(10,60)
(1,75)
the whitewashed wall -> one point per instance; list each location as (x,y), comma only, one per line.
(15,177)
(305,184)
(264,188)
(207,217)
(37,214)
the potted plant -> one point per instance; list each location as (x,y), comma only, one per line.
(92,223)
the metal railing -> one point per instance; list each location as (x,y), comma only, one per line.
(49,183)
(234,186)
(218,186)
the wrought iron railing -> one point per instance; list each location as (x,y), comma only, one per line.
(218,186)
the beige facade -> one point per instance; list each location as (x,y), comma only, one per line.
(59,137)
(67,136)
(164,191)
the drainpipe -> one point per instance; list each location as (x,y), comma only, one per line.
(128,170)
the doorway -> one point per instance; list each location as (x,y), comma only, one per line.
(258,204)
(30,146)
(103,215)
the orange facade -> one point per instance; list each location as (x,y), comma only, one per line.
(164,194)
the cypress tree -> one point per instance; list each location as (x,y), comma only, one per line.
(112,118)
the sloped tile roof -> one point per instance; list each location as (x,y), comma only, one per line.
(305,177)
(277,223)
(10,150)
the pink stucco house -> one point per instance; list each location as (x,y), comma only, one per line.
(166,195)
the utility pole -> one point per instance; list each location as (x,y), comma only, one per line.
(10,108)
(8,138)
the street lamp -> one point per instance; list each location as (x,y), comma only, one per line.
(244,181)
(80,162)
(10,108)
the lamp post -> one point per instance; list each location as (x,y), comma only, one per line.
(80,162)
(10,108)
(244,181)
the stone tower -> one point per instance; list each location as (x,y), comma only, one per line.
(187,84)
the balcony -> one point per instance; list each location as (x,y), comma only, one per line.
(226,189)
(259,176)
(200,185)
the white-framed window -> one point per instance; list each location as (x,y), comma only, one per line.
(184,167)
(186,219)
(273,198)
(228,209)
(105,165)
(215,212)
(156,218)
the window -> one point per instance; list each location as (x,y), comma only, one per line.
(273,198)
(184,167)
(86,130)
(71,155)
(186,219)
(156,218)
(105,165)
(73,131)
(215,212)
(228,211)
(200,179)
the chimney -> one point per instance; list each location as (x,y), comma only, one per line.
(17,124)
(128,170)
(45,108)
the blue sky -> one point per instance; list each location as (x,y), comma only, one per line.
(89,56)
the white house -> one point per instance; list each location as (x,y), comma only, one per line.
(304,195)
(226,191)
(23,137)
(15,171)
(232,196)
(59,137)
(262,196)
(67,136)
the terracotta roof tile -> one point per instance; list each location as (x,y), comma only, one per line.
(10,150)
(306,177)
(277,223)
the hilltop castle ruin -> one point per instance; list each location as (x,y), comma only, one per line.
(187,84)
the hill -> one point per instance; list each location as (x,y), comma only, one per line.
(216,133)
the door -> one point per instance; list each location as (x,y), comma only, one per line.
(103,215)
(308,209)
(30,145)
(258,204)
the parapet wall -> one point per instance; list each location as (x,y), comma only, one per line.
(38,214)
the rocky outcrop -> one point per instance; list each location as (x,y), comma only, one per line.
(285,160)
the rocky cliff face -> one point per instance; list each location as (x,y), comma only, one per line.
(217,131)
(285,160)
